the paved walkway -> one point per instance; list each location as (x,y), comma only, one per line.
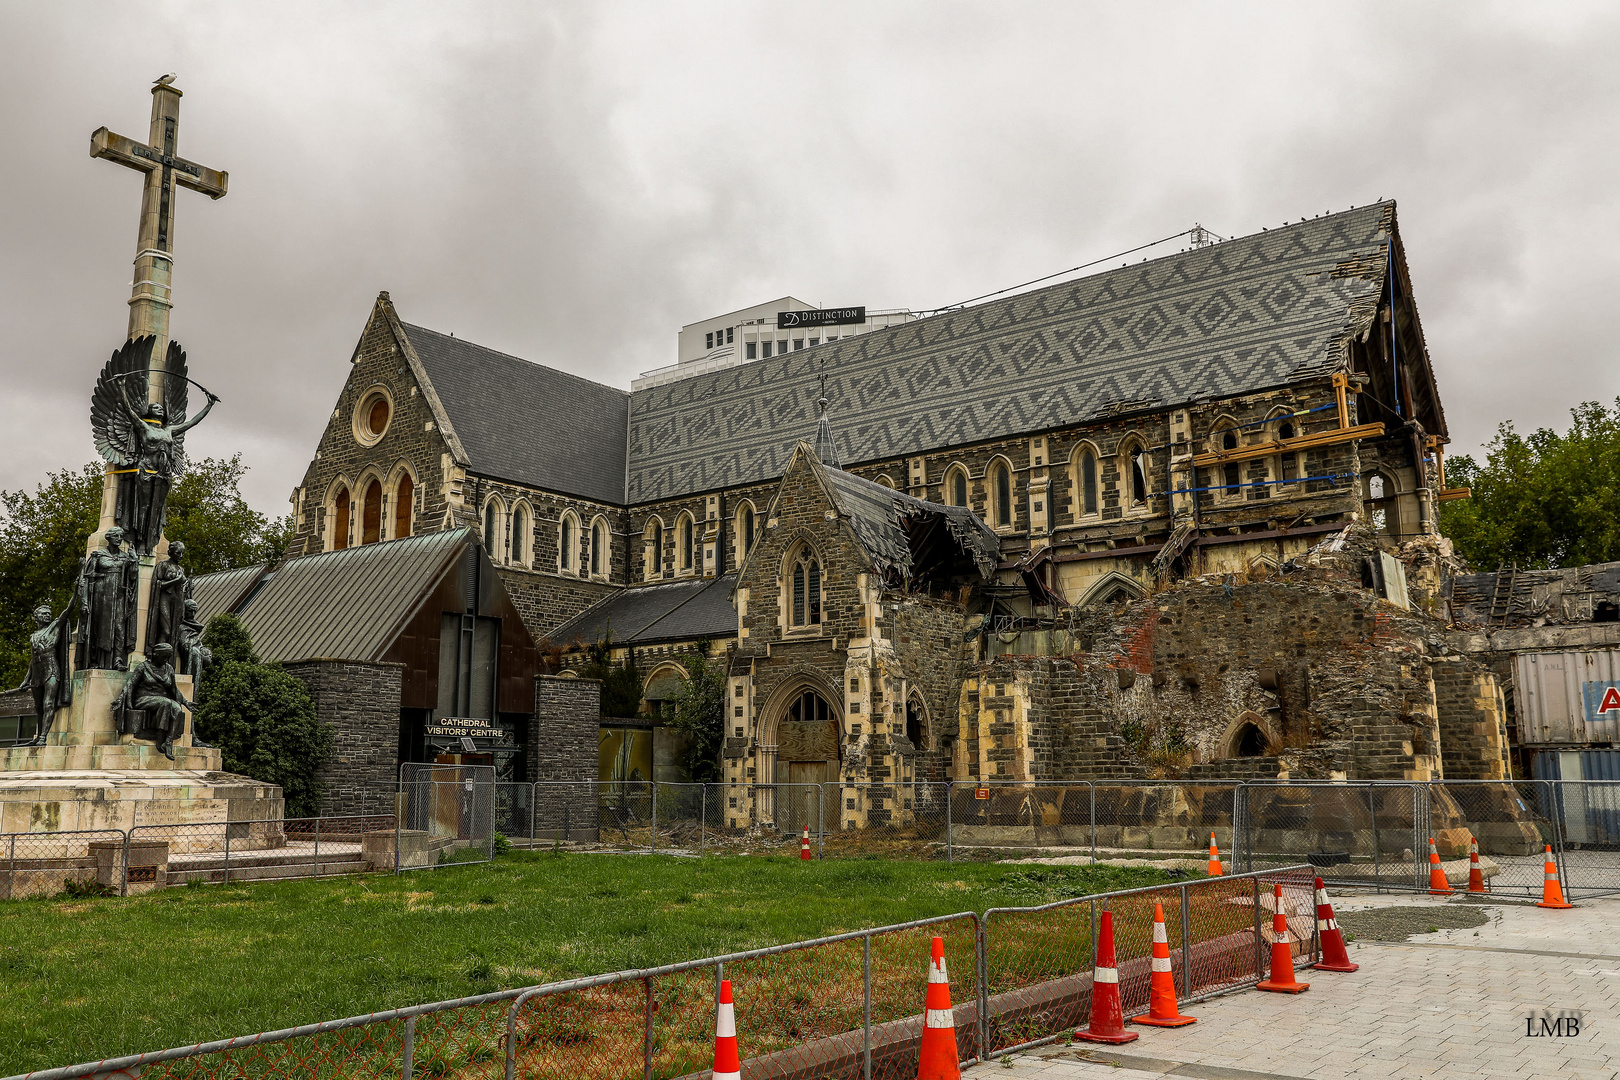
(1448,1004)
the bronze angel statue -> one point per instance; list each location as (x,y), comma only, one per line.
(144,441)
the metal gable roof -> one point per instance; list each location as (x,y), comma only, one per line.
(1239,316)
(346,604)
(220,593)
(528,423)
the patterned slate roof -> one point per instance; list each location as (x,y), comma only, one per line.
(522,421)
(347,605)
(1244,315)
(679,610)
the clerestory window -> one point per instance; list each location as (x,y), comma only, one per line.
(804,598)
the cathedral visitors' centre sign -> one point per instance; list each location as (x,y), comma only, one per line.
(844,316)
(456,727)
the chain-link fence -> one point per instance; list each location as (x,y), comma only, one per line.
(1353,833)
(271,849)
(446,815)
(46,864)
(846,1006)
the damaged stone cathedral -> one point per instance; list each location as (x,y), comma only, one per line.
(1174,520)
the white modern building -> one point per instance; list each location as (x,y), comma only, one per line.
(754,333)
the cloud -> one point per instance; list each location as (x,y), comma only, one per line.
(573,183)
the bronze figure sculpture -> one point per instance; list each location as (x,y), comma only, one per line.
(106,596)
(145,443)
(166,610)
(151,706)
(192,656)
(47,672)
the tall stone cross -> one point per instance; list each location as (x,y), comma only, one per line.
(151,296)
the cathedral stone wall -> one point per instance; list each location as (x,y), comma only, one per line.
(360,702)
(410,442)
(1473,720)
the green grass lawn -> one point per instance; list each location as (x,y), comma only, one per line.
(82,980)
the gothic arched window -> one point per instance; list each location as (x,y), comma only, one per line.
(340,520)
(1089,501)
(653,559)
(521,532)
(745,530)
(598,546)
(567,552)
(804,588)
(687,544)
(1001,488)
(494,518)
(404,504)
(371,514)
(956,486)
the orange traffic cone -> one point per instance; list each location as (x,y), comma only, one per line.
(1552,890)
(1162,1010)
(1282,955)
(1438,885)
(804,844)
(1476,879)
(1335,957)
(1107,1011)
(938,1060)
(1214,858)
(727,1065)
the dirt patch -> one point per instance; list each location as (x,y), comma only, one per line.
(1401,923)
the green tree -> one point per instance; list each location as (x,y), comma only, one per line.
(700,715)
(43,536)
(621,682)
(262,718)
(1548,499)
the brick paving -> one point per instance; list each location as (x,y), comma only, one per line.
(1448,1004)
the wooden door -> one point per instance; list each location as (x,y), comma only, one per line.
(803,803)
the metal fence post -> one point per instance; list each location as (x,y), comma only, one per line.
(1372,809)
(647,1042)
(866,1007)
(703,813)
(1093,788)
(821,821)
(317,847)
(1259,939)
(534,808)
(1186,943)
(981,942)
(407,1054)
(950,839)
(11,875)
(123,869)
(227,878)
(653,786)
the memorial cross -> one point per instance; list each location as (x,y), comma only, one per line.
(151,294)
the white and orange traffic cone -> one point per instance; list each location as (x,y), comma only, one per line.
(1552,890)
(1438,885)
(804,844)
(727,1063)
(1476,878)
(1335,957)
(1107,1011)
(1282,979)
(937,1058)
(1214,858)
(1162,1008)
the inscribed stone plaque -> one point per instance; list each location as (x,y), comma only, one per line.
(807,741)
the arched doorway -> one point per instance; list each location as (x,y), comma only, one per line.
(807,753)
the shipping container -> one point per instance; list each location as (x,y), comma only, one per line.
(1568,697)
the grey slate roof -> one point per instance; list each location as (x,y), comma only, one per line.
(1243,315)
(528,423)
(879,515)
(347,605)
(677,611)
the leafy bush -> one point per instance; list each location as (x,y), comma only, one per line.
(262,718)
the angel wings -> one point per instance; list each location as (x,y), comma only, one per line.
(121,390)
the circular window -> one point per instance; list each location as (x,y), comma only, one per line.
(371,418)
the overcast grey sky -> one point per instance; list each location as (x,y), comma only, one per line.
(573,182)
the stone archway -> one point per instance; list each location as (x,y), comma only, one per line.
(1249,735)
(801,737)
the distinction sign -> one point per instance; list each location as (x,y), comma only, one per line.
(846,316)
